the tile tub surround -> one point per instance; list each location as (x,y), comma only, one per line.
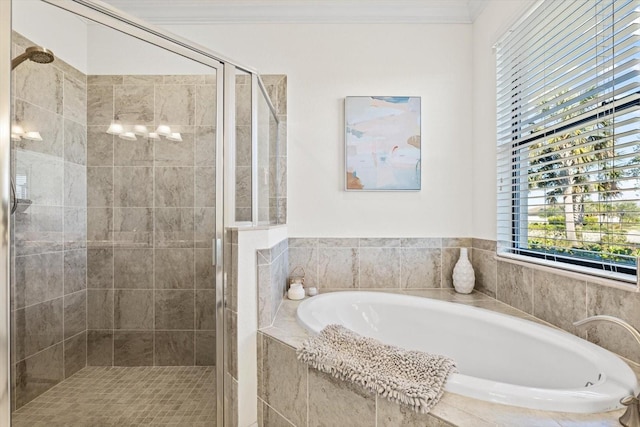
(559,298)
(48,253)
(381,263)
(423,263)
(151,215)
(292,394)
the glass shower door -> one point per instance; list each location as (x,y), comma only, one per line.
(116,297)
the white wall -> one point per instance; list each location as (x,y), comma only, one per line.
(325,63)
(452,67)
(492,23)
(59,31)
(112,52)
(93,48)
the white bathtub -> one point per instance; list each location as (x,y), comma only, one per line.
(500,358)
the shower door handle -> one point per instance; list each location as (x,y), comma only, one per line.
(217,252)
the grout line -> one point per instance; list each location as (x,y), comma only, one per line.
(43,350)
(39,303)
(533,290)
(193,216)
(86,228)
(154,225)
(359,266)
(441,266)
(586,308)
(375,403)
(399,252)
(113,226)
(278,412)
(64,245)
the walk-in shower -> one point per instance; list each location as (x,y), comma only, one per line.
(117,245)
(113,286)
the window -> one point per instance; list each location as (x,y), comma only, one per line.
(568,106)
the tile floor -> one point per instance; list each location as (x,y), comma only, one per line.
(131,396)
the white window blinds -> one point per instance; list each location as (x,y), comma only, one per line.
(568,106)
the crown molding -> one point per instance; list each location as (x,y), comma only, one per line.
(475,8)
(302,11)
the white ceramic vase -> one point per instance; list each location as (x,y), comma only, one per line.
(463,276)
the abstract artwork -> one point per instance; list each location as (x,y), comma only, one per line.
(382,143)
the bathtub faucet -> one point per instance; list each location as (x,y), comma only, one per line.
(631,417)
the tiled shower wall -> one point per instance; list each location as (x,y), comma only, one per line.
(49,227)
(276,86)
(151,216)
(272,199)
(243,148)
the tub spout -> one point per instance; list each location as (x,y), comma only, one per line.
(631,417)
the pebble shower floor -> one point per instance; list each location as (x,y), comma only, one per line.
(126,396)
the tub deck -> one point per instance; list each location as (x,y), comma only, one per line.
(454,409)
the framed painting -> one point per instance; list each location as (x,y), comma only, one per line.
(382,143)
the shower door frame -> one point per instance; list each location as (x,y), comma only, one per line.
(5,156)
(104,14)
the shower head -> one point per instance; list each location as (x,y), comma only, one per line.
(37,54)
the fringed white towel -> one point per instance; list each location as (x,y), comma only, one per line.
(413,378)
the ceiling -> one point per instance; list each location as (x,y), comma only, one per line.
(302,11)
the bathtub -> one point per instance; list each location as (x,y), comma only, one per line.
(500,358)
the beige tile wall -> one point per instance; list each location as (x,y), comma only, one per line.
(48,253)
(292,394)
(243,148)
(559,299)
(414,263)
(272,196)
(383,263)
(273,268)
(276,86)
(151,216)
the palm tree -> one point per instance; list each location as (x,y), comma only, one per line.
(560,165)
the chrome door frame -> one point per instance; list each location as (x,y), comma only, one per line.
(5,220)
(104,14)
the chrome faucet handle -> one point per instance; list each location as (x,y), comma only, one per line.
(603,318)
(631,417)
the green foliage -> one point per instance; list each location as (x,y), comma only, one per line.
(609,239)
(551,210)
(590,222)
(627,212)
(556,220)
